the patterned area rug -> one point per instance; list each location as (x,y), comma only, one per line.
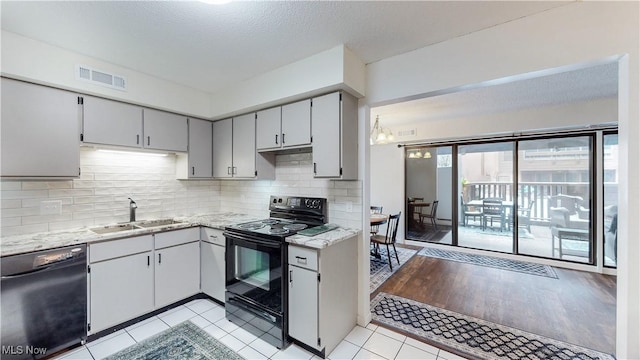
(379,268)
(184,341)
(470,335)
(495,262)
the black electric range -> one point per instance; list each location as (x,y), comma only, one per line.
(256,265)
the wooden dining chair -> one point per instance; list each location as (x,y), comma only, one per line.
(432,215)
(375,210)
(492,209)
(389,238)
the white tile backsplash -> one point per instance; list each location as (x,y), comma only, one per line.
(100,195)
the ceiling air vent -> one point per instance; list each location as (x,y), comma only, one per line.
(408,132)
(99,77)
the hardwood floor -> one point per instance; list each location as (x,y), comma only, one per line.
(578,307)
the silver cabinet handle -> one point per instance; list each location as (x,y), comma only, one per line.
(290,276)
(159,258)
(148,260)
(213,236)
(193,170)
(315,171)
(228,170)
(276,139)
(148,140)
(282,139)
(138,139)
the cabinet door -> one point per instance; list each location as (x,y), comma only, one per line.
(177,273)
(121,289)
(40,131)
(296,124)
(268,134)
(111,122)
(222,148)
(200,148)
(303,305)
(212,270)
(244,146)
(165,131)
(325,127)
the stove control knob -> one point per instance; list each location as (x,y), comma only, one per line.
(307,203)
(316,204)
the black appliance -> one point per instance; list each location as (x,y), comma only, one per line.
(44,302)
(256,266)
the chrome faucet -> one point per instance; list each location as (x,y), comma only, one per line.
(132,210)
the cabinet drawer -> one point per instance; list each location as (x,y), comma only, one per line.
(177,237)
(118,248)
(213,236)
(303,257)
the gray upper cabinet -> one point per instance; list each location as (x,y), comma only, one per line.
(268,135)
(111,122)
(288,126)
(165,131)
(222,148)
(244,146)
(234,150)
(334,127)
(115,123)
(40,131)
(200,148)
(296,124)
(197,163)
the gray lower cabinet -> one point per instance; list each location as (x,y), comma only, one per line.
(120,281)
(40,131)
(212,263)
(323,292)
(133,276)
(177,265)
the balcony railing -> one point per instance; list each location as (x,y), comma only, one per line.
(533,191)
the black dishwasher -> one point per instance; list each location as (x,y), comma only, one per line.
(44,302)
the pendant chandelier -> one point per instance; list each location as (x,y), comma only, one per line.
(379,134)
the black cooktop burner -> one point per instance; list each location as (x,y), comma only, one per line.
(278,231)
(251,226)
(295,227)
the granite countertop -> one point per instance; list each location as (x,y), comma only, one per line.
(323,240)
(18,244)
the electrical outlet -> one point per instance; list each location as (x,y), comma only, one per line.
(349,206)
(52,207)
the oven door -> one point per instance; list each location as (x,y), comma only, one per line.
(254,270)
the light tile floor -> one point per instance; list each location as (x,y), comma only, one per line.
(372,342)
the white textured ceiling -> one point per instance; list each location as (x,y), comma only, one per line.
(209,47)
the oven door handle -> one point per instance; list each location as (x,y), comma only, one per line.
(252,239)
(254,310)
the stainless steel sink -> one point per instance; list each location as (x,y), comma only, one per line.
(154,223)
(114,228)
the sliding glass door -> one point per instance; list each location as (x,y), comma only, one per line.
(428,188)
(485,185)
(554,198)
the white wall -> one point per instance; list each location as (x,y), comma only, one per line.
(333,69)
(387,181)
(571,34)
(35,61)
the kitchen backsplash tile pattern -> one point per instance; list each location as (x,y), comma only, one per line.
(294,176)
(100,195)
